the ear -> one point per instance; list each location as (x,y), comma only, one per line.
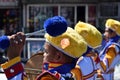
(58,56)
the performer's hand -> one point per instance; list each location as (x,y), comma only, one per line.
(17,42)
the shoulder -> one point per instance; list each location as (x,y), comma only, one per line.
(115,46)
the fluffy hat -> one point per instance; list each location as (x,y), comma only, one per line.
(114,25)
(58,23)
(70,43)
(91,35)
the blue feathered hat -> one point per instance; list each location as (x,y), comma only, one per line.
(55,26)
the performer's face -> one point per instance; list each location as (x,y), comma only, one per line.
(106,34)
(109,33)
(50,53)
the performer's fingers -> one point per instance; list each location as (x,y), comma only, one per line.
(13,40)
(21,37)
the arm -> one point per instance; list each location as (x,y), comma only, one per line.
(13,68)
(111,56)
(77,74)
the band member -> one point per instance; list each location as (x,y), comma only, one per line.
(86,67)
(110,54)
(63,47)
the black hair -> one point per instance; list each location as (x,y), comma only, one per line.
(110,30)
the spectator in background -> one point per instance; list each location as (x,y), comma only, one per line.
(86,66)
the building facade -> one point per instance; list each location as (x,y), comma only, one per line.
(29,15)
(92,11)
(9,17)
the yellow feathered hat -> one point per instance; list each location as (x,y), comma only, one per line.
(70,43)
(114,25)
(91,35)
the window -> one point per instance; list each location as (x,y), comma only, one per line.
(68,13)
(33,45)
(38,14)
(108,10)
(92,14)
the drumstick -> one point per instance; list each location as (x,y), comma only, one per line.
(5,42)
(40,32)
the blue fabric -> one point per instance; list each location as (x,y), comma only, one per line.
(45,66)
(101,47)
(63,69)
(88,50)
(114,39)
(110,42)
(4,42)
(55,26)
(119,40)
(106,46)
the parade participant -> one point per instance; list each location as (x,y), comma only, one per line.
(112,30)
(86,67)
(14,66)
(62,47)
(111,51)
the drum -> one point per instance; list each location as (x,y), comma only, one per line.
(33,67)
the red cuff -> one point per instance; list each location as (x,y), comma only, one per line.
(97,60)
(14,70)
